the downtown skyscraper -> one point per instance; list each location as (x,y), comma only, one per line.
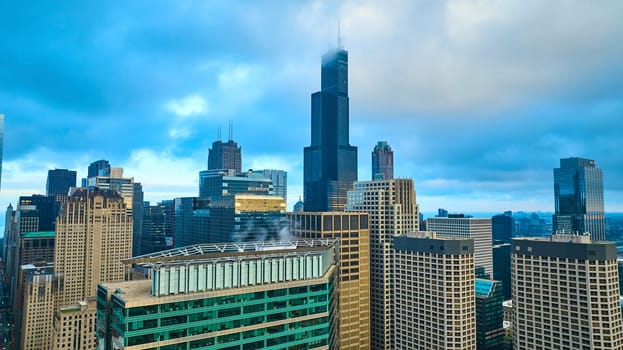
(330,162)
(225,155)
(579,198)
(382,161)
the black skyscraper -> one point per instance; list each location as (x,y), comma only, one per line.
(225,155)
(58,184)
(43,207)
(502,227)
(330,162)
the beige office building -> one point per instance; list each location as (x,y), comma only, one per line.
(93,236)
(354,247)
(74,326)
(392,211)
(434,293)
(565,294)
(37,308)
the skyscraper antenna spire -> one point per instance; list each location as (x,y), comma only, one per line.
(218,133)
(231,130)
(340,45)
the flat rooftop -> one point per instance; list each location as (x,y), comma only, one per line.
(221,250)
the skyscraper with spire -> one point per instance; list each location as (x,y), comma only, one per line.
(330,161)
(225,155)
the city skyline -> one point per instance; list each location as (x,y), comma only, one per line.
(481,112)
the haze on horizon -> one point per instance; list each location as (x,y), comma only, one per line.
(479,100)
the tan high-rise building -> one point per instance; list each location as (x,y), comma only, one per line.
(37,308)
(93,235)
(74,326)
(354,297)
(434,292)
(565,294)
(392,211)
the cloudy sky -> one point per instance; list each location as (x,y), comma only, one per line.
(479,99)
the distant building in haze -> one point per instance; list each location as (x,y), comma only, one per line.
(565,292)
(299,206)
(280,181)
(579,198)
(330,162)
(502,227)
(382,161)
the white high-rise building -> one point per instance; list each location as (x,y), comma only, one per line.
(565,294)
(434,292)
(477,229)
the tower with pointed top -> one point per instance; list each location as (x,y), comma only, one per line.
(330,162)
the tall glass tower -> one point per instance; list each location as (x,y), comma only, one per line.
(330,162)
(579,198)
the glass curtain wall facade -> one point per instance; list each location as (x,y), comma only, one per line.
(579,198)
(259,295)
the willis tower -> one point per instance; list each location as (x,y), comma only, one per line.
(330,162)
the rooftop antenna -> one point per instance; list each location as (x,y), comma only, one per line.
(340,44)
(218,133)
(231,130)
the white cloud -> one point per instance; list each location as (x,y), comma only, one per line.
(188,106)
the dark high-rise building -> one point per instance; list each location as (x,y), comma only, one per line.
(58,184)
(579,198)
(43,208)
(99,168)
(225,155)
(382,161)
(489,315)
(502,267)
(137,219)
(502,227)
(330,162)
(154,230)
(191,221)
(168,206)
